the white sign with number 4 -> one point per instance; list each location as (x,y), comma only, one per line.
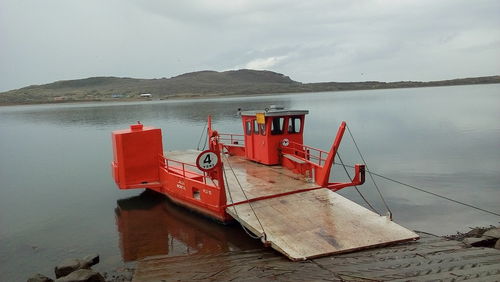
(207,160)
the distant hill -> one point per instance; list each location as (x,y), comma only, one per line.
(197,84)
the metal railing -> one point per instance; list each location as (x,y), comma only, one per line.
(180,168)
(307,153)
(232,139)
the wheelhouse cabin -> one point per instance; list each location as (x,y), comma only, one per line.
(265,131)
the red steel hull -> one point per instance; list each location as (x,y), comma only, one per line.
(193,193)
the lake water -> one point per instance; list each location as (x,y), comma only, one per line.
(58,200)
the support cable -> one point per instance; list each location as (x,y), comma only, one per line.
(369,173)
(205,143)
(356,187)
(429,192)
(244,194)
(437,195)
(202,132)
(236,211)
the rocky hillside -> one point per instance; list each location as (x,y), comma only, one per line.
(186,85)
(196,84)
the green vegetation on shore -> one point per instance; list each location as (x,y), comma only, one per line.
(197,85)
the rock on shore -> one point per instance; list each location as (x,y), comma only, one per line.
(479,237)
(78,270)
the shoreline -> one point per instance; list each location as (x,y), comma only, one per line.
(140,269)
(429,258)
(177,97)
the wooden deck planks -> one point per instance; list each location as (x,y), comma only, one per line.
(302,225)
(260,180)
(318,223)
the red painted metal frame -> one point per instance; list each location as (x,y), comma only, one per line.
(323,174)
(322,171)
(205,192)
(322,166)
(135,153)
(234,144)
(300,150)
(261,145)
(233,139)
(180,168)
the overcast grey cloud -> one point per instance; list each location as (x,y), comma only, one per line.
(311,41)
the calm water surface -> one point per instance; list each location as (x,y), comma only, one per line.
(57,198)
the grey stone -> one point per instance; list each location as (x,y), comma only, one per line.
(39,278)
(480,242)
(66,267)
(494,233)
(69,265)
(90,260)
(472,240)
(82,275)
(497,245)
(475,232)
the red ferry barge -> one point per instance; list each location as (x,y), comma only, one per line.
(266,179)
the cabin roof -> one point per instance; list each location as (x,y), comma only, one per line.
(275,112)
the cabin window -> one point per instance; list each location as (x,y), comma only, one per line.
(255,127)
(262,129)
(294,125)
(248,128)
(277,125)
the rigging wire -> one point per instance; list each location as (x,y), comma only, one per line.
(369,173)
(244,194)
(429,192)
(437,195)
(206,141)
(356,187)
(202,132)
(236,211)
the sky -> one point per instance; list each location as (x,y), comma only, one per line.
(310,41)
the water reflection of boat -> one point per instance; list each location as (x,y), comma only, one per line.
(266,178)
(149,224)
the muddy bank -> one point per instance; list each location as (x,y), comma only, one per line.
(80,269)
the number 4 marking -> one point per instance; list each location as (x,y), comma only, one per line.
(207,160)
